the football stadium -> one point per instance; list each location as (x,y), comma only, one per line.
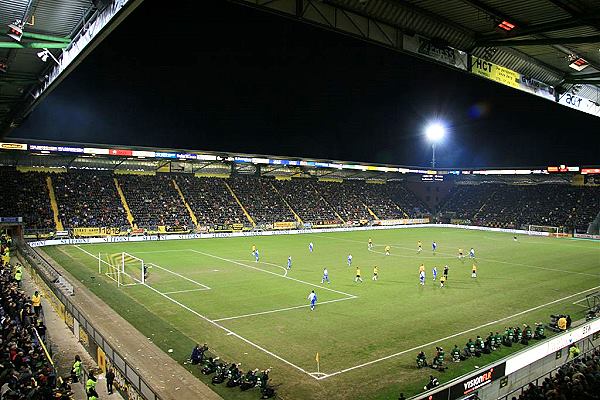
(143,271)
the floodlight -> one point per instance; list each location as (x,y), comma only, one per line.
(435,132)
(15,31)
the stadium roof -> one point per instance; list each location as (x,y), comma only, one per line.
(36,153)
(536,40)
(68,29)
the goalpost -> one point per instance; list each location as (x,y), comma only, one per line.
(123,268)
(554,231)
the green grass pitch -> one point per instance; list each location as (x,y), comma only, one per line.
(367,334)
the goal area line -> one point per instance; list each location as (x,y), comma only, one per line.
(321,375)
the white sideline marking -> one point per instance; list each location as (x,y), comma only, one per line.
(179,275)
(228,331)
(323,375)
(186,291)
(454,335)
(579,301)
(283,309)
(272,273)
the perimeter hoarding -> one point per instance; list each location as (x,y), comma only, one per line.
(580,103)
(428,48)
(469,385)
(508,77)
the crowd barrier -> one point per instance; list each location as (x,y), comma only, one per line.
(479,383)
(129,383)
(186,236)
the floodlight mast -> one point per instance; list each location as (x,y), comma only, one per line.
(435,133)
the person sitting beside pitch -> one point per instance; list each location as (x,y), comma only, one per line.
(421,360)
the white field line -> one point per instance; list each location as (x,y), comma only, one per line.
(322,375)
(285,270)
(476,258)
(272,273)
(456,334)
(228,331)
(283,309)
(186,291)
(179,275)
(579,301)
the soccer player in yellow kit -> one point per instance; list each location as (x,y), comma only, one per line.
(375,273)
(419,246)
(474,271)
(358,278)
(370,245)
(387,250)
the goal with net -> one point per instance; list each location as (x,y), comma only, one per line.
(123,268)
(554,231)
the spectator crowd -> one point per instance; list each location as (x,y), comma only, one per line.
(210,200)
(516,206)
(88,198)
(29,199)
(25,371)
(576,380)
(154,202)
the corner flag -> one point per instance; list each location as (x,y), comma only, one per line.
(318,363)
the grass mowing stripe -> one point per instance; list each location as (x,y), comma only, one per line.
(455,335)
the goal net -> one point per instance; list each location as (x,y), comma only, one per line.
(541,229)
(123,268)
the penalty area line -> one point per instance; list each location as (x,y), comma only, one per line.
(273,273)
(282,309)
(228,331)
(186,291)
(453,335)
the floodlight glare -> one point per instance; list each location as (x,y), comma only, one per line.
(435,132)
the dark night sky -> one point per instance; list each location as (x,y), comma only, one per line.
(225,77)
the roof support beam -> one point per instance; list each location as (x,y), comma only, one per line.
(583,81)
(544,41)
(488,10)
(33,45)
(586,76)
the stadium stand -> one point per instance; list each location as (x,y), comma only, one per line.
(28,199)
(515,206)
(88,199)
(578,379)
(25,371)
(210,200)
(302,196)
(261,200)
(154,202)
(410,204)
(345,199)
(377,199)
